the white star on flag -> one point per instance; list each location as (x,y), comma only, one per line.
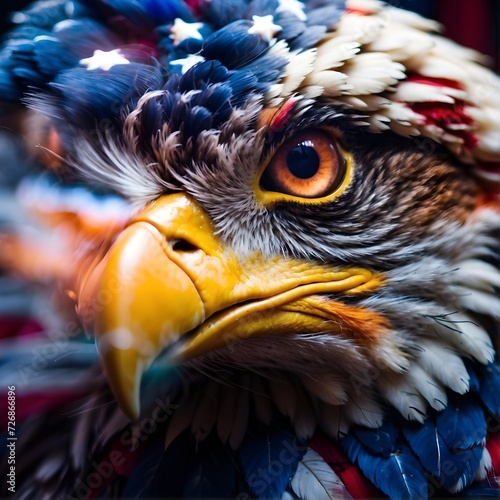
(182,30)
(264,27)
(104,60)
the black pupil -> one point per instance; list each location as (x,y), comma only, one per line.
(303,161)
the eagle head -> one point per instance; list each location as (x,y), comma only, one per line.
(314,223)
(279,242)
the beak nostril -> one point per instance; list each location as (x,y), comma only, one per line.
(183,246)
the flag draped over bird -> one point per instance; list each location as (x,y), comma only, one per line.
(278,222)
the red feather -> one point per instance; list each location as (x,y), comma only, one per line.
(493,447)
(354,480)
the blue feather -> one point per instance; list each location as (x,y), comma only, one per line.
(22,34)
(269,461)
(326,15)
(81,37)
(163,12)
(47,14)
(201,74)
(400,475)
(9,88)
(132,10)
(24,66)
(242,84)
(196,120)
(88,96)
(291,26)
(462,424)
(382,441)
(245,47)
(261,8)
(221,12)
(51,57)
(267,70)
(472,459)
(218,100)
(437,458)
(186,47)
(474,385)
(489,387)
(482,490)
(29,76)
(308,38)
(215,98)
(152,117)
(221,91)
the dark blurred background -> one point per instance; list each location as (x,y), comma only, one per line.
(475,23)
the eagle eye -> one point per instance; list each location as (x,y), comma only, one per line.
(308,165)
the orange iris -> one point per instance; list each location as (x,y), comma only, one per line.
(308,165)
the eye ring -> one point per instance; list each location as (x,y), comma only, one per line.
(309,167)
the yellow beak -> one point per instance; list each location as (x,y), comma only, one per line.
(168,282)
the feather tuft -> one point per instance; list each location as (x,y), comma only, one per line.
(269,461)
(315,479)
(399,475)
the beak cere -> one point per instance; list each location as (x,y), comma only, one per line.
(169,283)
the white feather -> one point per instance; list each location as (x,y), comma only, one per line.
(333,53)
(485,466)
(299,66)
(367,102)
(388,354)
(331,83)
(402,42)
(466,336)
(428,387)
(478,274)
(315,480)
(411,19)
(417,92)
(362,29)
(329,388)
(363,410)
(443,363)
(481,302)
(372,73)
(403,395)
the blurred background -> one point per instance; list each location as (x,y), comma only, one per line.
(475,23)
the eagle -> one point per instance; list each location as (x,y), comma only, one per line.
(249,249)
